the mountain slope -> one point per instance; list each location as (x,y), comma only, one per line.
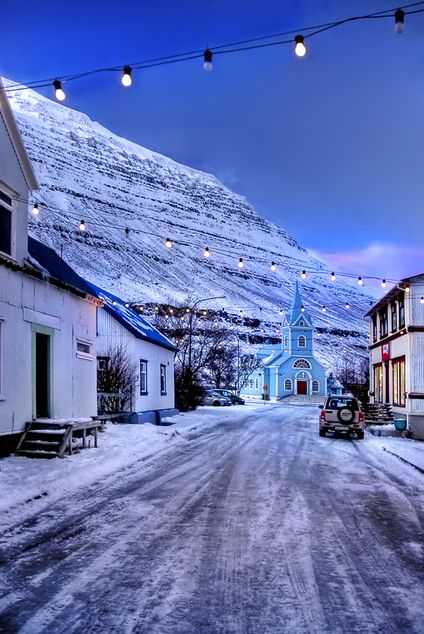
(86,172)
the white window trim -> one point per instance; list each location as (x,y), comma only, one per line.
(288,389)
(88,356)
(303,339)
(2,320)
(12,195)
(312,386)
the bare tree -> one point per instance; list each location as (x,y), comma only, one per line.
(116,379)
(248,364)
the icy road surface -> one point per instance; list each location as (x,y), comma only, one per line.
(253,525)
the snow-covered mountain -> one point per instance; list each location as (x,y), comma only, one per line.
(132,199)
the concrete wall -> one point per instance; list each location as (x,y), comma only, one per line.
(27,306)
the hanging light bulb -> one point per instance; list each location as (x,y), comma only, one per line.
(300,48)
(207,57)
(324,309)
(303,275)
(347,305)
(127,305)
(156,308)
(399,21)
(421,300)
(383,284)
(114,302)
(82,226)
(407,288)
(360,281)
(126,76)
(302,309)
(127,232)
(333,276)
(35,209)
(58,90)
(273,266)
(168,243)
(240,263)
(207,252)
(281,311)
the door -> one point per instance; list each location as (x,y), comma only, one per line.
(42,375)
(302,387)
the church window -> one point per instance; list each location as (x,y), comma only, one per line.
(302,363)
(315,386)
(288,385)
(301,322)
(286,342)
(301,341)
(256,384)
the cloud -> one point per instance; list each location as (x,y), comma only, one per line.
(379,259)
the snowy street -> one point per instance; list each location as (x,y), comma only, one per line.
(248,524)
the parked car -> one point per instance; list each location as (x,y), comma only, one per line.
(341,414)
(213,398)
(235,400)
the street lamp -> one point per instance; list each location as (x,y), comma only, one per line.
(190,322)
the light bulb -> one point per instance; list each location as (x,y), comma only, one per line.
(114,302)
(127,232)
(273,266)
(126,76)
(156,308)
(240,263)
(82,225)
(300,48)
(127,305)
(207,56)
(399,21)
(360,281)
(407,288)
(421,300)
(347,305)
(168,243)
(324,309)
(303,275)
(333,276)
(302,309)
(58,90)
(35,209)
(206,252)
(383,284)
(280,311)
(187,310)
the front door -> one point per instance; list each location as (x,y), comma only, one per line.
(302,387)
(42,372)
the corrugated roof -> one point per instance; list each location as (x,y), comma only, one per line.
(130,319)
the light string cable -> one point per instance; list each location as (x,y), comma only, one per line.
(222,49)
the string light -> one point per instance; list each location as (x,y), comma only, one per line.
(302,309)
(421,300)
(127,232)
(383,284)
(407,288)
(126,79)
(127,305)
(300,48)
(399,21)
(58,90)
(333,276)
(207,252)
(360,281)
(281,311)
(168,243)
(273,266)
(82,226)
(240,263)
(35,209)
(324,309)
(347,305)
(303,275)
(207,60)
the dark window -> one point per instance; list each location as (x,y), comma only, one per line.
(315,386)
(83,347)
(383,323)
(374,328)
(302,341)
(143,377)
(102,372)
(287,385)
(5,230)
(394,316)
(162,379)
(401,313)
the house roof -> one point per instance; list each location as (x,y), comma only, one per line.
(393,292)
(16,140)
(130,319)
(49,264)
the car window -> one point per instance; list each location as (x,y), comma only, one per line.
(339,403)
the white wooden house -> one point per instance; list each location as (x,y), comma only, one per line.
(151,354)
(47,318)
(397,352)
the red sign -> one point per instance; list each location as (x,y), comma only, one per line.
(385,351)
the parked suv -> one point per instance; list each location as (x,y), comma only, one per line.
(342,414)
(235,400)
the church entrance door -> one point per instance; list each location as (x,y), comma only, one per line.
(302,387)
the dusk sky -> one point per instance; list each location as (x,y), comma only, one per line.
(330,146)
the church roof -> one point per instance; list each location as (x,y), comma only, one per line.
(297,313)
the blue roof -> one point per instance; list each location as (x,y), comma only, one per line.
(130,319)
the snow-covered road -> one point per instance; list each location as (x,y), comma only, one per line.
(252,525)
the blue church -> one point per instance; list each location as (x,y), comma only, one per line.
(290,367)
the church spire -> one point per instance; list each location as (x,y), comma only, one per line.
(298,310)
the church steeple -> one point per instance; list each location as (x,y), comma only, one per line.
(297,314)
(297,330)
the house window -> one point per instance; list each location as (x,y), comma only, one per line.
(383,323)
(288,385)
(315,386)
(1,357)
(256,384)
(401,313)
(102,372)
(378,382)
(374,328)
(398,378)
(301,342)
(84,350)
(162,379)
(394,316)
(251,384)
(143,377)
(5,223)
(302,363)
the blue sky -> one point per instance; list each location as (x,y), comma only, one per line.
(330,146)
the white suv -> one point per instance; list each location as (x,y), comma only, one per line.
(341,414)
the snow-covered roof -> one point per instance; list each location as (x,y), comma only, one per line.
(130,319)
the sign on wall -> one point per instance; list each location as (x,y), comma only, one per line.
(385,351)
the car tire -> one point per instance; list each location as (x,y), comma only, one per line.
(360,435)
(348,419)
(216,404)
(322,432)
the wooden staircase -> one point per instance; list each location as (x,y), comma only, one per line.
(378,413)
(53,438)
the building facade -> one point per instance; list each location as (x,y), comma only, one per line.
(290,367)
(397,352)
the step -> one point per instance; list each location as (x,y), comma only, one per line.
(36,453)
(47,432)
(48,427)
(35,445)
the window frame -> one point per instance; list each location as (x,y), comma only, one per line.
(162,377)
(6,204)
(1,358)
(315,382)
(377,382)
(302,364)
(394,316)
(401,313)
(288,382)
(143,391)
(384,322)
(84,354)
(398,381)
(303,339)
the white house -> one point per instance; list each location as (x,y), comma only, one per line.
(47,319)
(152,355)
(397,352)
